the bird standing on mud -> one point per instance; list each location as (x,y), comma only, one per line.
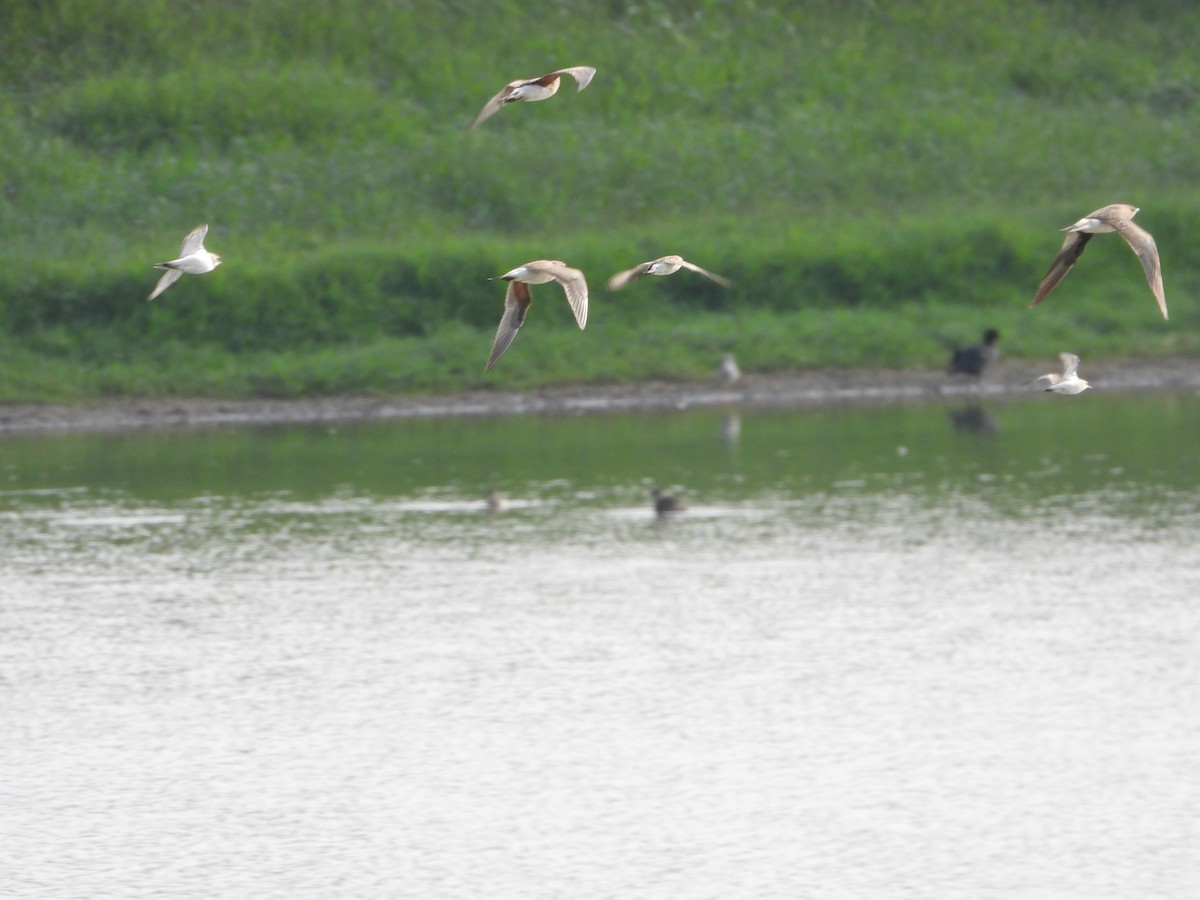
(974,359)
(728,372)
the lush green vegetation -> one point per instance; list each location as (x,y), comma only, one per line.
(880,179)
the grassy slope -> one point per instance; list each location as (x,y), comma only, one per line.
(878,178)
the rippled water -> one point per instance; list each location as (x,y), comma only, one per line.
(884,653)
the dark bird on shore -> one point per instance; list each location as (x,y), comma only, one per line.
(528,90)
(665,503)
(974,359)
(1116,217)
(517,298)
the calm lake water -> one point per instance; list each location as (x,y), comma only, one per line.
(914,651)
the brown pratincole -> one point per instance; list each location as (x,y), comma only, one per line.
(517,298)
(1116,217)
(664,265)
(193,259)
(528,90)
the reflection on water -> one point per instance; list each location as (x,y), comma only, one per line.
(310,663)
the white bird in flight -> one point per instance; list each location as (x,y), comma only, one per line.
(664,265)
(528,90)
(518,297)
(1066,383)
(193,259)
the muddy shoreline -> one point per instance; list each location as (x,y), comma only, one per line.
(807,388)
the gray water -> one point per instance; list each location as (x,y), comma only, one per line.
(926,652)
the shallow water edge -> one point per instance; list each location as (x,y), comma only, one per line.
(793,390)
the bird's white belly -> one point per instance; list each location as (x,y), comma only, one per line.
(529,92)
(1091,226)
(195,265)
(527,276)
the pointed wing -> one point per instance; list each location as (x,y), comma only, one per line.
(194,241)
(493,106)
(516,303)
(621,279)
(719,279)
(1143,245)
(169,277)
(1070,363)
(583,75)
(573,284)
(1072,249)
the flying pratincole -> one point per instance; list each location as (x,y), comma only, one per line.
(527,90)
(664,265)
(974,359)
(665,503)
(518,298)
(193,259)
(1116,217)
(1066,383)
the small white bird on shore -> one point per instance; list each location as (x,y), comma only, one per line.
(1066,383)
(518,297)
(664,265)
(193,259)
(728,372)
(529,90)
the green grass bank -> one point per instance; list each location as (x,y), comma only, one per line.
(881,180)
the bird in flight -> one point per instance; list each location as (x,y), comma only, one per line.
(193,259)
(1066,383)
(1116,217)
(664,265)
(528,90)
(518,297)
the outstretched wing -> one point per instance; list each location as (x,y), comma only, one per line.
(1070,363)
(573,284)
(493,106)
(719,279)
(169,277)
(194,241)
(1072,249)
(583,75)
(516,303)
(1143,245)
(618,281)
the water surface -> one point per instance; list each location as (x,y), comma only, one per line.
(914,651)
